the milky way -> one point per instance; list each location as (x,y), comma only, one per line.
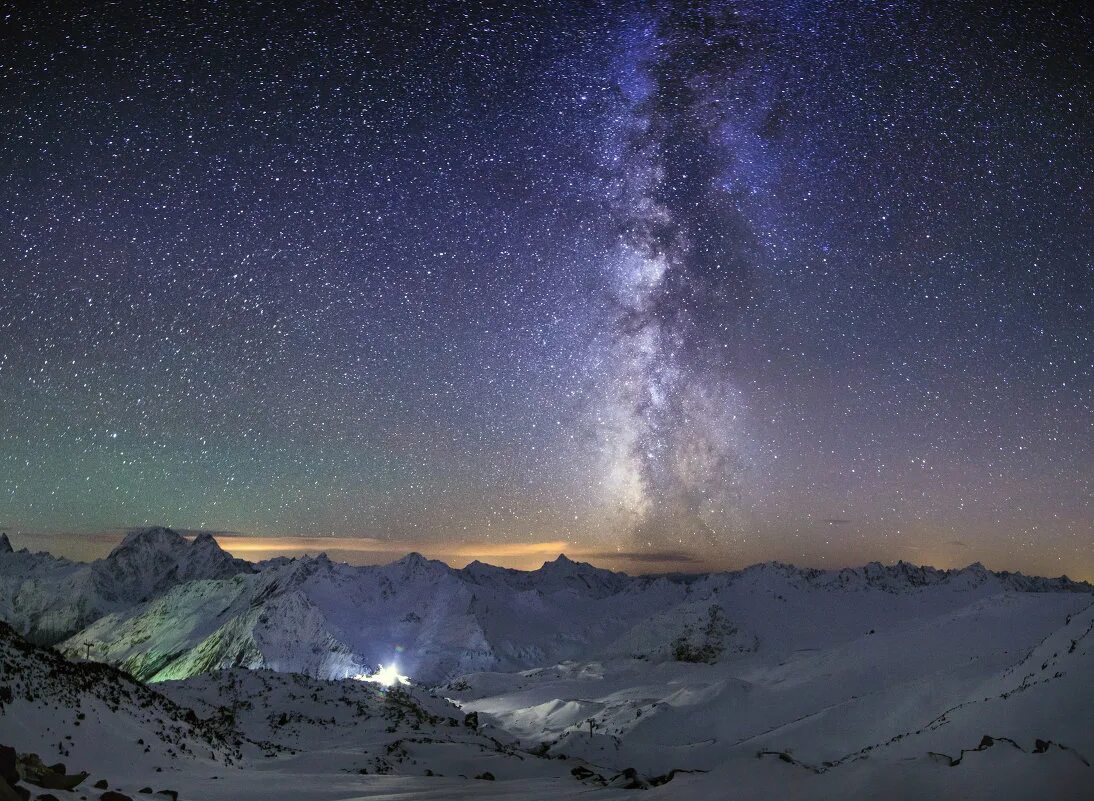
(674,283)
(685,253)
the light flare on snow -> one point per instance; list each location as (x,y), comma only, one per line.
(388,676)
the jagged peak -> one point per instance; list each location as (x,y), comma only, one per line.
(417,561)
(563,561)
(762,567)
(478,566)
(153,536)
(5,544)
(158,547)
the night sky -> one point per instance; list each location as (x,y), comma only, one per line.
(670,286)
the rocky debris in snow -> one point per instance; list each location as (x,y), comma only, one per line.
(50,777)
(628,779)
(16,769)
(706,643)
(77,695)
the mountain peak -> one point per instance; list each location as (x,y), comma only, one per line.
(562,560)
(5,544)
(155,536)
(414,561)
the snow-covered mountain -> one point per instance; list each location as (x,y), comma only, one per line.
(332,620)
(47,598)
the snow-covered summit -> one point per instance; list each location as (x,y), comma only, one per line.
(150,560)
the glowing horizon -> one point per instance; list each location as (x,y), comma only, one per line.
(531,555)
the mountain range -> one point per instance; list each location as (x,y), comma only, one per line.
(164,607)
(768,682)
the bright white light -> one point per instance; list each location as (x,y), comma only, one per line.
(387,676)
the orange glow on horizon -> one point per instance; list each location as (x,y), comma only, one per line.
(370,550)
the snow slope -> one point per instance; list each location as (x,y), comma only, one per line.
(1019,728)
(1024,732)
(95,718)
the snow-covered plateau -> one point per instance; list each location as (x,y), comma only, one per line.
(171,666)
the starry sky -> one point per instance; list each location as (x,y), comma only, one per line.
(669,286)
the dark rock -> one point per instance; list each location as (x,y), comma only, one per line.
(145,790)
(1040,746)
(628,780)
(101,784)
(486,775)
(7,765)
(471,720)
(172,794)
(8,793)
(57,767)
(47,797)
(55,781)
(113,795)
(986,742)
